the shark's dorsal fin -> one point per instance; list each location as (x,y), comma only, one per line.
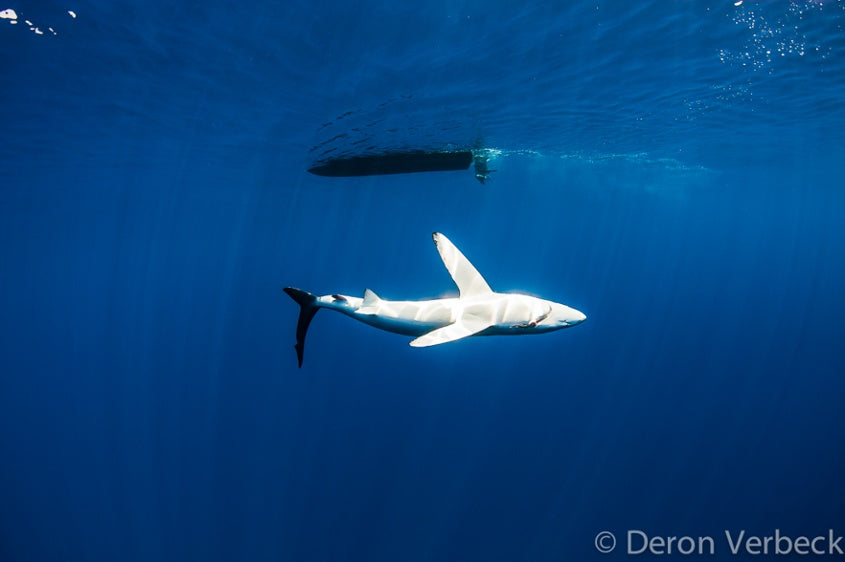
(462,328)
(465,276)
(370,303)
(370,298)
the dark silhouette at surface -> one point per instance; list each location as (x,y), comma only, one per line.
(394,163)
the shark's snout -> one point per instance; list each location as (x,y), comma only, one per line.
(563,316)
(577,318)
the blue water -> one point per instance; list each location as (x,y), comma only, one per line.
(673,169)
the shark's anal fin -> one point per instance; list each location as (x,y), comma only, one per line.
(466,277)
(463,328)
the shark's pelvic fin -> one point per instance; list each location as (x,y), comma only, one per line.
(464,327)
(466,277)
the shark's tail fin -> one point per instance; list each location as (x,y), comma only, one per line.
(308,308)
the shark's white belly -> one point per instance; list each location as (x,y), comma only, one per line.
(411,318)
(503,313)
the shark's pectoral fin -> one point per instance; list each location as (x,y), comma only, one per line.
(463,328)
(469,281)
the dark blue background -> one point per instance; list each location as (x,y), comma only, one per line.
(658,170)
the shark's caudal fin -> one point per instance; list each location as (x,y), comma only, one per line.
(308,308)
(466,277)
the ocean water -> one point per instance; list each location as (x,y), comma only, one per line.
(673,169)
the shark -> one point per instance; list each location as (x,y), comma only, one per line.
(476,311)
